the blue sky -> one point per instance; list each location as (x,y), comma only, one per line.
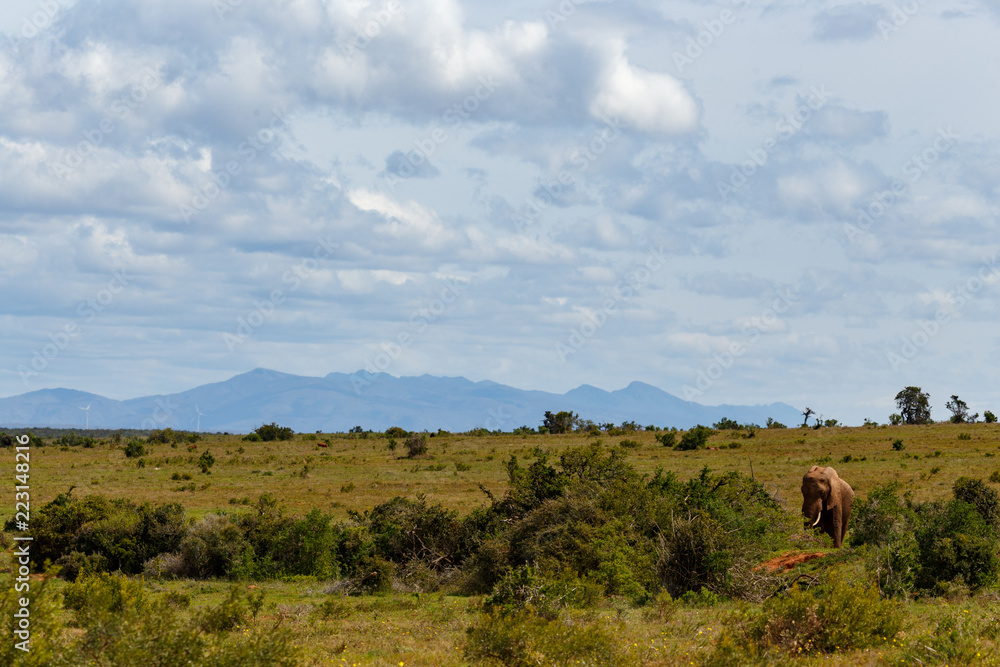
(738,202)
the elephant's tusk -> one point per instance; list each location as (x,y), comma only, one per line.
(817,520)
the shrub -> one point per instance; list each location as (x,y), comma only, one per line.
(271,432)
(667,438)
(524,640)
(213,547)
(396,432)
(75,440)
(843,617)
(995,476)
(964,436)
(897,445)
(894,566)
(227,615)
(526,588)
(334,608)
(416,445)
(695,438)
(712,527)
(771,423)
(404,529)
(306,547)
(882,517)
(726,424)
(952,642)
(49,640)
(989,417)
(838,617)
(122,624)
(983,498)
(206,461)
(134,448)
(955,544)
(97,533)
(251,437)
(629,444)
(374,575)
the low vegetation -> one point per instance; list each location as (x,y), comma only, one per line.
(522,548)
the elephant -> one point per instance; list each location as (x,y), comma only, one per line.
(826,502)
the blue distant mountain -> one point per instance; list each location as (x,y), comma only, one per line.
(341,401)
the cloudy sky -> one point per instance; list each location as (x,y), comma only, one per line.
(738,202)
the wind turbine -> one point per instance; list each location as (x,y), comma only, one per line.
(87,410)
(200,413)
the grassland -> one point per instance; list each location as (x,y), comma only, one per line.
(356,472)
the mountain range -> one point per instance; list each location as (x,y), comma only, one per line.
(339,401)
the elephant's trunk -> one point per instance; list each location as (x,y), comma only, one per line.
(813,510)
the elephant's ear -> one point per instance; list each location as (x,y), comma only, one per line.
(834,499)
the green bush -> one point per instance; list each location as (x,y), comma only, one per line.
(979,495)
(373,575)
(396,432)
(527,588)
(214,547)
(96,533)
(712,531)
(696,438)
(667,438)
(74,440)
(49,644)
(306,547)
(838,617)
(229,614)
(271,432)
(894,565)
(523,640)
(124,625)
(404,530)
(134,448)
(897,445)
(952,642)
(416,444)
(882,517)
(206,461)
(955,544)
(989,417)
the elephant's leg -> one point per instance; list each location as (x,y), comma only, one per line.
(836,529)
(846,514)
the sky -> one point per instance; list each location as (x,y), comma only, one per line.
(737,202)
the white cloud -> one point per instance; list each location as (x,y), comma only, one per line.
(647,101)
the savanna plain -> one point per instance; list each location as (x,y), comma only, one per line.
(606,547)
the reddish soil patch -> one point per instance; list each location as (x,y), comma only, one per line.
(788,561)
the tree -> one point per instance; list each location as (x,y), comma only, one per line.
(959,410)
(416,444)
(561,422)
(913,406)
(989,417)
(695,438)
(271,432)
(806,413)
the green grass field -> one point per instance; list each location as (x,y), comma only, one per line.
(355,473)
